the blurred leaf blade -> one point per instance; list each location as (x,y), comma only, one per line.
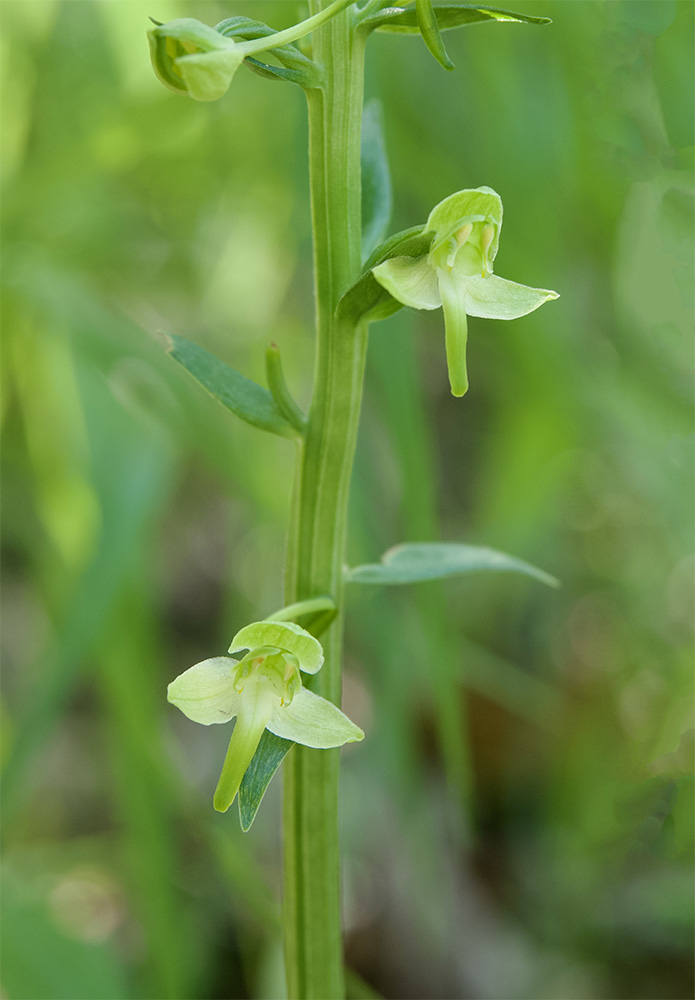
(418,562)
(40,961)
(377,193)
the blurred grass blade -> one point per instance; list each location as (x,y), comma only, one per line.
(269,755)
(128,504)
(38,960)
(516,690)
(429,29)
(448,15)
(377,195)
(420,561)
(357,988)
(246,399)
(408,419)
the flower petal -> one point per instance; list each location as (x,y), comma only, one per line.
(411,280)
(314,722)
(207,75)
(453,292)
(172,43)
(283,635)
(496,298)
(205,693)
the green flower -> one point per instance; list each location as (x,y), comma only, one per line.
(457,274)
(191,58)
(263,690)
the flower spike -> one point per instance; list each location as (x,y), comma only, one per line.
(192,58)
(457,274)
(262,690)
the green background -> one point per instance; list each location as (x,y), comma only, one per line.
(518,822)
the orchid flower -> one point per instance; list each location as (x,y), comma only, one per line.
(262,690)
(192,58)
(457,274)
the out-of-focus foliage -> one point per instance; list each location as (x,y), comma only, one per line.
(517,823)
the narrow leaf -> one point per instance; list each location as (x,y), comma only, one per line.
(270,72)
(377,196)
(420,561)
(246,399)
(314,615)
(429,29)
(269,755)
(449,15)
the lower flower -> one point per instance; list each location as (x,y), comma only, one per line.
(262,690)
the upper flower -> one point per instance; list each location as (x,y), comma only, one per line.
(192,58)
(263,690)
(457,274)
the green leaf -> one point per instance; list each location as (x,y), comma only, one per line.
(269,755)
(367,299)
(377,196)
(449,15)
(270,72)
(420,561)
(429,29)
(246,399)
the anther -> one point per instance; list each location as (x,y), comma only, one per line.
(463,233)
(486,238)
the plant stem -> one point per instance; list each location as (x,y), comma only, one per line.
(297,31)
(313,947)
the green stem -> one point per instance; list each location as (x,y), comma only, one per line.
(296,31)
(313,947)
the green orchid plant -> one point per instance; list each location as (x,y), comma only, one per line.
(262,690)
(457,274)
(448,263)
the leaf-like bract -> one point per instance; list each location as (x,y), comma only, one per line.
(269,755)
(367,299)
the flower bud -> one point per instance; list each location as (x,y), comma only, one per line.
(191,58)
